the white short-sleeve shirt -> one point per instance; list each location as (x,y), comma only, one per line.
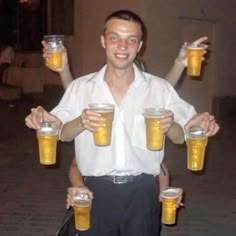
(127,153)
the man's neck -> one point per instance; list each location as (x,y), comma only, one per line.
(119,81)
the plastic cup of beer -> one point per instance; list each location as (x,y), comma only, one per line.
(196,144)
(47,140)
(154,134)
(194,59)
(82,208)
(54,50)
(102,136)
(169,198)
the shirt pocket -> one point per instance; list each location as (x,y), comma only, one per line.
(138,138)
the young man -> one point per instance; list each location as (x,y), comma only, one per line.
(172,77)
(130,207)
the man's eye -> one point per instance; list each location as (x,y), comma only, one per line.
(113,38)
(133,40)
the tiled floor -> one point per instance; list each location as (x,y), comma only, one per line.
(33,196)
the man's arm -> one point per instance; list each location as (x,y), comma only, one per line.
(75,176)
(172,129)
(164,177)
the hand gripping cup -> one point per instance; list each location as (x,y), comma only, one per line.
(154,133)
(194,58)
(82,208)
(196,145)
(102,137)
(169,198)
(54,49)
(47,140)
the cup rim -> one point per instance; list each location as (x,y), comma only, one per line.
(154,112)
(195,46)
(103,106)
(53,37)
(174,190)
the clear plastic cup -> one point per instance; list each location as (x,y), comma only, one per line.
(47,137)
(169,198)
(196,144)
(102,137)
(82,208)
(54,50)
(194,58)
(154,134)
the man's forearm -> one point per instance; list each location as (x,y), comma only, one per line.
(75,176)
(176,133)
(71,129)
(175,72)
(66,76)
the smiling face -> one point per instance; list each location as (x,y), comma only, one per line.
(122,41)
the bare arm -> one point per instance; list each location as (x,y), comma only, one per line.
(164,177)
(172,129)
(176,133)
(75,176)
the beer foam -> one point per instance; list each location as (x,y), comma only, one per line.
(170,193)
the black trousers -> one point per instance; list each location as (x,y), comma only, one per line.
(128,209)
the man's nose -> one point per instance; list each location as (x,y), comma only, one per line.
(123,44)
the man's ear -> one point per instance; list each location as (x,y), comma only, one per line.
(102,38)
(140,46)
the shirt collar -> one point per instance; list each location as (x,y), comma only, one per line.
(98,77)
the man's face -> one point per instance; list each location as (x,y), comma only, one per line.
(122,41)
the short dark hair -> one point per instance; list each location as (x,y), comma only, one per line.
(128,16)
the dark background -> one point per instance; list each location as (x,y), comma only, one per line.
(24,24)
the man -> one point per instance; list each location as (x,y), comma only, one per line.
(130,207)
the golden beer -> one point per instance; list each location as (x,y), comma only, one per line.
(102,137)
(154,134)
(54,49)
(47,140)
(82,214)
(194,57)
(196,152)
(169,198)
(55,60)
(47,148)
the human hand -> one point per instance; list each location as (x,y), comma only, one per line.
(91,120)
(204,120)
(39,115)
(179,200)
(167,120)
(182,57)
(73,191)
(47,55)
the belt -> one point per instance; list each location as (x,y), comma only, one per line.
(117,179)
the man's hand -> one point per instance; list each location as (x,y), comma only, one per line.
(91,120)
(182,57)
(47,55)
(73,191)
(39,115)
(204,120)
(167,120)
